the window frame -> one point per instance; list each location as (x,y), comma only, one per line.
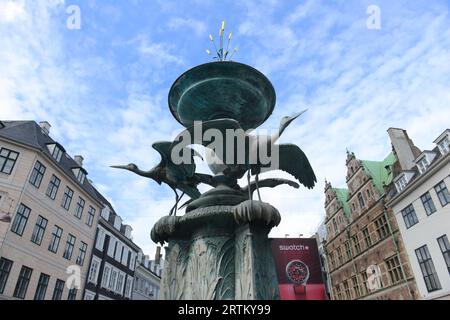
(39,230)
(37,174)
(7,159)
(428,203)
(58,290)
(442,191)
(41,288)
(67,198)
(90,216)
(56,238)
(394,269)
(70,244)
(23,281)
(79,208)
(5,270)
(409,216)
(53,186)
(426,264)
(18,225)
(82,249)
(444,245)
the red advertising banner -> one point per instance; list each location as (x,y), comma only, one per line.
(298,269)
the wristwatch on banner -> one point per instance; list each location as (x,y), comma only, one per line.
(298,273)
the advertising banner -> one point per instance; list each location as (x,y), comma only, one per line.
(298,269)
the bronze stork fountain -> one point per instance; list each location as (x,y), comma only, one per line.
(219,249)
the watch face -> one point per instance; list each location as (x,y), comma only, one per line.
(297,271)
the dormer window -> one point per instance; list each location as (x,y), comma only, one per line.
(80,174)
(423,164)
(444,146)
(401,184)
(56,150)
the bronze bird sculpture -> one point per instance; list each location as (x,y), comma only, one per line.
(290,157)
(176,176)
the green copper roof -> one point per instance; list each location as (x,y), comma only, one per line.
(342,196)
(377,170)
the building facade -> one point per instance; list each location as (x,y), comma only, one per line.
(48,215)
(321,238)
(147,277)
(364,250)
(113,261)
(420,200)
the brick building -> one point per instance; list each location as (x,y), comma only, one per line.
(365,254)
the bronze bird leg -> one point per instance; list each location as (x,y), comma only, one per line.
(176,203)
(248,182)
(257,186)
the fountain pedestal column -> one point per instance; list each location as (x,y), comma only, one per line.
(219,252)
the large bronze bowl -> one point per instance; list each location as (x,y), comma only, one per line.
(219,90)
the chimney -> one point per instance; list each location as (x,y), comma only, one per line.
(79,160)
(158,255)
(404,148)
(45,126)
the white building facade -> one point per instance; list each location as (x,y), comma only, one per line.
(421,204)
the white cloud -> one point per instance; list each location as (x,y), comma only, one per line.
(186,24)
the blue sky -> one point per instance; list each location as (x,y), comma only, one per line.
(104,87)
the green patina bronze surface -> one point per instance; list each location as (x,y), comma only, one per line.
(220,90)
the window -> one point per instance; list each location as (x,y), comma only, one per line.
(361,200)
(5,268)
(105,279)
(382,227)
(93,271)
(347,294)
(20,220)
(445,249)
(442,192)
(53,186)
(334,225)
(59,288)
(444,146)
(79,208)
(69,247)
(67,198)
(80,174)
(112,280)
(119,284)
(39,230)
(368,193)
(54,241)
(56,151)
(81,253)
(428,203)
(394,269)
(423,165)
(401,184)
(365,278)
(427,266)
(7,160)
(409,216)
(367,239)
(356,244)
(89,296)
(339,255)
(356,287)
(72,294)
(37,174)
(128,287)
(90,217)
(22,283)
(348,250)
(332,260)
(42,287)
